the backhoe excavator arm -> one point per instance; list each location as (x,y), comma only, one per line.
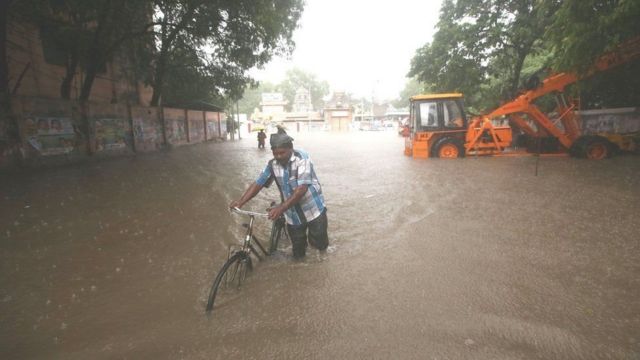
(524,104)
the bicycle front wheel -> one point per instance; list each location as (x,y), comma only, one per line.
(229,279)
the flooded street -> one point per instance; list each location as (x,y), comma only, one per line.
(468,259)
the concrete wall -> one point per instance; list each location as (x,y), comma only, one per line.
(51,130)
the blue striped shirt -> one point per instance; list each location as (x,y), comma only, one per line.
(299,171)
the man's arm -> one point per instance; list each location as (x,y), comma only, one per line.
(251,191)
(298,193)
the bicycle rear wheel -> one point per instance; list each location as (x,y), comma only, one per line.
(229,278)
(278,231)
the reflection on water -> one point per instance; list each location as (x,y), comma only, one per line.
(473,258)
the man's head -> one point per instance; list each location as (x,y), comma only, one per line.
(281,147)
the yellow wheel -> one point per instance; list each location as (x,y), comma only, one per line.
(448,151)
(449,148)
(597,150)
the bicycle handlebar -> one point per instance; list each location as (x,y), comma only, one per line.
(250,213)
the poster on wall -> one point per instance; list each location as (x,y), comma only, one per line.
(212,129)
(109,134)
(50,135)
(138,130)
(145,134)
(197,130)
(177,130)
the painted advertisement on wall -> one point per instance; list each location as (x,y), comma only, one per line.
(196,130)
(109,134)
(212,129)
(177,134)
(50,135)
(196,126)
(618,121)
(175,122)
(146,131)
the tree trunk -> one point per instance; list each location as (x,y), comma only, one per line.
(65,87)
(11,123)
(158,79)
(4,67)
(517,70)
(87,84)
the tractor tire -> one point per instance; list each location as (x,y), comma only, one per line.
(598,148)
(448,148)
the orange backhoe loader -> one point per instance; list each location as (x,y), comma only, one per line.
(439,126)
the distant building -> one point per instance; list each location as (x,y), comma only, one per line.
(302,101)
(272,103)
(338,112)
(273,112)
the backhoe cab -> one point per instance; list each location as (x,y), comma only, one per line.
(439,128)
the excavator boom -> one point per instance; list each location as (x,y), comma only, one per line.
(440,129)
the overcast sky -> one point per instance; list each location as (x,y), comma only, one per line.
(363,47)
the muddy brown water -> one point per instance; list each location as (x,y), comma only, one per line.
(466,259)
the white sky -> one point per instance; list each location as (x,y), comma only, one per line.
(363,47)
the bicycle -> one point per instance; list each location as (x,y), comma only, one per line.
(234,270)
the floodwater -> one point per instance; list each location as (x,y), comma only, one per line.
(476,258)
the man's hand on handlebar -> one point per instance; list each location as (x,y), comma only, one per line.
(234,204)
(276,211)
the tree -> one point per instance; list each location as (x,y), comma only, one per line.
(4,67)
(231,35)
(581,32)
(252,96)
(411,87)
(84,34)
(8,123)
(584,29)
(482,39)
(116,21)
(296,79)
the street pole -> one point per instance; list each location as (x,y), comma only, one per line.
(238,115)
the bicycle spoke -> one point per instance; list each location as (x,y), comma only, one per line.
(228,280)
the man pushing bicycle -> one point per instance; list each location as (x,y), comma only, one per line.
(303,204)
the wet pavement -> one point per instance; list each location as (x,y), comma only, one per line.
(467,259)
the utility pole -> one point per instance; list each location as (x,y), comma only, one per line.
(238,115)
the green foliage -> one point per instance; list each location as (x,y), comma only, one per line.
(487,49)
(583,29)
(230,37)
(411,87)
(481,46)
(252,96)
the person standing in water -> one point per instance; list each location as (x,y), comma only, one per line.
(302,204)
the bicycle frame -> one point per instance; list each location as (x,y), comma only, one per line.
(247,243)
(240,259)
